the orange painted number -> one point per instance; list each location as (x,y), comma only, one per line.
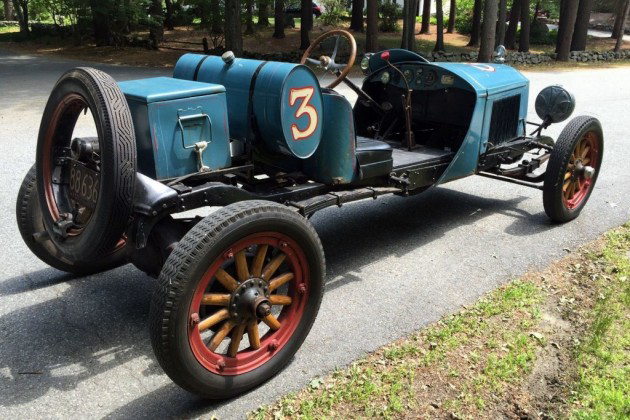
(305,108)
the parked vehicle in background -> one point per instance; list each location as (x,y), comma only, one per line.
(294,9)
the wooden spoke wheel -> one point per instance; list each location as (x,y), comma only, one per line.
(573,168)
(251,276)
(578,177)
(86,185)
(237,298)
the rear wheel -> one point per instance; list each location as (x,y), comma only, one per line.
(31,227)
(86,185)
(237,298)
(573,169)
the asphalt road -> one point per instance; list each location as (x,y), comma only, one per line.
(77,348)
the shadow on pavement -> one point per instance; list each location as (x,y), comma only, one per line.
(100,322)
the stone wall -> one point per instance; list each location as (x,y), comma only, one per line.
(512,57)
(517,58)
(4,23)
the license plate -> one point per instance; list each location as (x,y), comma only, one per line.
(84,185)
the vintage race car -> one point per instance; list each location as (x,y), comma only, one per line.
(239,289)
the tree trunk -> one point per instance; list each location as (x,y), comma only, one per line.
(501,24)
(356,21)
(624,16)
(523,42)
(578,43)
(263,12)
(618,20)
(371,33)
(249,17)
(8,10)
(476,24)
(21,10)
(409,25)
(306,23)
(233,34)
(426,17)
(102,35)
(278,31)
(565,29)
(488,31)
(156,32)
(216,21)
(169,15)
(405,28)
(439,16)
(510,35)
(451,17)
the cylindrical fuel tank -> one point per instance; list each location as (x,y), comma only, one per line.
(278,103)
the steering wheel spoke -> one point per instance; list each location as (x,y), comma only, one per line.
(334,54)
(313,62)
(339,71)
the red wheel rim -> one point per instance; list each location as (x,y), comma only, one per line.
(213,302)
(58,136)
(577,184)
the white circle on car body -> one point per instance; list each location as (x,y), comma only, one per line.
(482,67)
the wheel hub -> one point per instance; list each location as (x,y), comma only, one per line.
(250,299)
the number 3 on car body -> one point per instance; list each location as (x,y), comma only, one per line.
(304,93)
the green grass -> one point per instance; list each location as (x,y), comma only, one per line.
(499,341)
(384,385)
(603,388)
(9,29)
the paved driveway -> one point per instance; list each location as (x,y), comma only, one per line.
(79,348)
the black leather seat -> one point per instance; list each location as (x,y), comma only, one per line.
(374,157)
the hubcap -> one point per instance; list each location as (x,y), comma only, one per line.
(250,300)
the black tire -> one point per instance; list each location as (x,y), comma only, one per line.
(554,202)
(29,220)
(207,241)
(86,87)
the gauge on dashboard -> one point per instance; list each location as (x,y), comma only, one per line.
(447,79)
(430,77)
(419,76)
(408,75)
(385,77)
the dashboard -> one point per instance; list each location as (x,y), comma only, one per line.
(418,76)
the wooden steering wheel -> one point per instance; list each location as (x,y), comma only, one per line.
(328,62)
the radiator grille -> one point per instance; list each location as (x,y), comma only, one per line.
(504,120)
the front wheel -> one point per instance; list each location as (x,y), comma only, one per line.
(573,168)
(236,298)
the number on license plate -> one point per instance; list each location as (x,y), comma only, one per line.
(84,185)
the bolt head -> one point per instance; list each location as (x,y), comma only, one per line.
(273,346)
(194,319)
(221,364)
(284,244)
(302,289)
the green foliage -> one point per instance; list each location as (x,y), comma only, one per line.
(463,21)
(390,13)
(335,10)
